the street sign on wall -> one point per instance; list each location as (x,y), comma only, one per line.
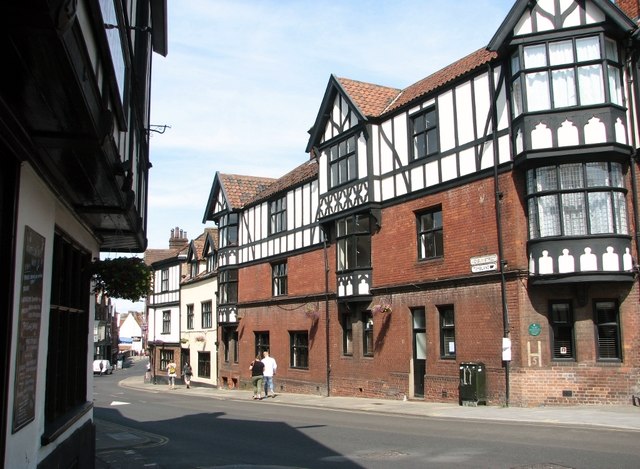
(487,263)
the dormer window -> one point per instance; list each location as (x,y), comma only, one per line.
(572,72)
(342,162)
(211,262)
(193,269)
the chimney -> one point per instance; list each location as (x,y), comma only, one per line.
(178,238)
(630,7)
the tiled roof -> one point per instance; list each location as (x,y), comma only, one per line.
(155,255)
(241,189)
(213,231)
(371,99)
(303,173)
(198,245)
(443,76)
(375,100)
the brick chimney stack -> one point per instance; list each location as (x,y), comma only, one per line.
(630,7)
(178,238)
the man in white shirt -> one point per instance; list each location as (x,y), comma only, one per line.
(270,367)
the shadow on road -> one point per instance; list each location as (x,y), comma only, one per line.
(213,439)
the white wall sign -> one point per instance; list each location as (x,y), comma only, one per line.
(488,263)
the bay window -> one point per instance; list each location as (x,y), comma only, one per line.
(571,72)
(576,199)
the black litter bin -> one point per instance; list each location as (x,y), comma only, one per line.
(473,384)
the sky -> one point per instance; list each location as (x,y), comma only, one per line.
(244,79)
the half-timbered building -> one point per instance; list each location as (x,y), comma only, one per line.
(168,266)
(74,169)
(483,218)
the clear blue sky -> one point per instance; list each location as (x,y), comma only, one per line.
(244,79)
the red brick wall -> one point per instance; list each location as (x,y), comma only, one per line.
(470,229)
(305,272)
(630,7)
(542,381)
(279,321)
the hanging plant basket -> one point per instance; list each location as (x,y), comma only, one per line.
(128,278)
(382,309)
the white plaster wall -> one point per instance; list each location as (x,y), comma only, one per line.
(197,293)
(38,209)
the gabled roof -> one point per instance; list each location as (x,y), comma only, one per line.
(373,101)
(236,189)
(239,190)
(152,256)
(370,99)
(503,34)
(211,240)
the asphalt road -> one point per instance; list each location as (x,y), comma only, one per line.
(199,432)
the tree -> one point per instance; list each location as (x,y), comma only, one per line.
(128,278)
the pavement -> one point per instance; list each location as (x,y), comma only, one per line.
(115,445)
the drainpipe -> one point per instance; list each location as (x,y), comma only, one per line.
(326,311)
(498,197)
(633,109)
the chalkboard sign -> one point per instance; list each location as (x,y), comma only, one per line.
(28,330)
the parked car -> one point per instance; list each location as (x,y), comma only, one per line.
(107,368)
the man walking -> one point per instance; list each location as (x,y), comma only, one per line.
(270,367)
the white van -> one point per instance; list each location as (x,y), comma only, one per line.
(107,368)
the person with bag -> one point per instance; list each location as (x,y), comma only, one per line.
(187,373)
(257,368)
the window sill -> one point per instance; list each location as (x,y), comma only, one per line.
(55,429)
(615,362)
(430,260)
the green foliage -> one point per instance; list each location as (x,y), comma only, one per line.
(128,278)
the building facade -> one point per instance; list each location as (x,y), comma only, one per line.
(103,333)
(198,316)
(168,267)
(130,333)
(484,218)
(74,162)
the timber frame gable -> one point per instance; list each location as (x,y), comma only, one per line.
(527,17)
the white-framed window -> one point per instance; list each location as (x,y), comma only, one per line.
(576,199)
(579,71)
